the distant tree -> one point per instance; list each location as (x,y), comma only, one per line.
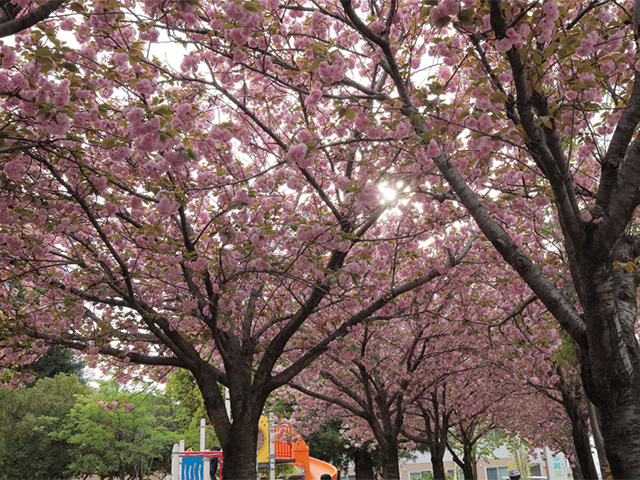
(327,444)
(185,400)
(114,432)
(56,361)
(28,418)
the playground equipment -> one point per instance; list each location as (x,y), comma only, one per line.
(295,451)
(191,465)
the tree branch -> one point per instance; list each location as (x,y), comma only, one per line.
(30,19)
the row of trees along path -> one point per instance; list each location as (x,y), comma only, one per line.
(422,381)
(199,184)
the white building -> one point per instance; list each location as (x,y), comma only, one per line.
(545,465)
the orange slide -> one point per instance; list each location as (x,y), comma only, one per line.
(318,467)
(292,452)
(313,467)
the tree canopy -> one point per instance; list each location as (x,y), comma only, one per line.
(232,187)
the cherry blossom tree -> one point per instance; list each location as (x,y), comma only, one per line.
(371,379)
(197,215)
(467,428)
(543,398)
(558,380)
(390,385)
(457,408)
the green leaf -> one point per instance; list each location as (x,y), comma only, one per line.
(465,16)
(77,7)
(43,52)
(350,114)
(72,67)
(436,89)
(252,7)
(162,111)
(551,49)
(546,121)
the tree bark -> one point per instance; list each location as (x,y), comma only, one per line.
(470,464)
(242,441)
(585,468)
(610,359)
(390,462)
(467,463)
(37,15)
(621,433)
(238,436)
(363,464)
(594,420)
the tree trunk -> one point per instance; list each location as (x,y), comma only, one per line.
(437,449)
(242,441)
(611,356)
(468,438)
(594,420)
(238,438)
(363,464)
(469,464)
(586,467)
(438,468)
(438,433)
(390,462)
(621,433)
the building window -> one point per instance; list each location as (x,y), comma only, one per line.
(496,473)
(454,474)
(535,469)
(422,475)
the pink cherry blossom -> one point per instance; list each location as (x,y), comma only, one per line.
(297,153)
(433,150)
(165,206)
(378,26)
(16,169)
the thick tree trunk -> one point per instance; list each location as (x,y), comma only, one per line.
(611,357)
(437,449)
(239,437)
(390,462)
(438,468)
(363,464)
(239,450)
(621,433)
